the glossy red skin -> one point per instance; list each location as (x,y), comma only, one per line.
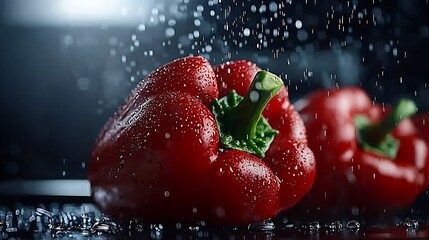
(289,124)
(348,176)
(125,171)
(193,75)
(160,146)
(158,157)
(238,75)
(250,186)
(293,163)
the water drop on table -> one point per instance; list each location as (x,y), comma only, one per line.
(353,225)
(267,225)
(156,231)
(411,223)
(43,212)
(335,226)
(135,224)
(314,226)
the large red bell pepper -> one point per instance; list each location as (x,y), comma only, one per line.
(368,155)
(174,152)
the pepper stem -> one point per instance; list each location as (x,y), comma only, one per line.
(374,134)
(239,119)
(243,119)
(376,138)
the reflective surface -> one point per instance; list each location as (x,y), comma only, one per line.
(83,220)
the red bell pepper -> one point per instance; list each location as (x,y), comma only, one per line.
(175,153)
(368,155)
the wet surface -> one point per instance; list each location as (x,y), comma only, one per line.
(85,221)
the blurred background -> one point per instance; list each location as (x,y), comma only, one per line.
(66,65)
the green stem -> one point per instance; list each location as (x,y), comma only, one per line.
(242,120)
(376,133)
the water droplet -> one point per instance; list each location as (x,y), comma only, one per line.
(142,27)
(262,8)
(246,32)
(353,225)
(197,22)
(167,135)
(267,225)
(298,24)
(254,96)
(335,226)
(169,32)
(314,226)
(273,7)
(43,212)
(411,223)
(156,231)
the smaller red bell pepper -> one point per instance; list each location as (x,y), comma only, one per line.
(368,155)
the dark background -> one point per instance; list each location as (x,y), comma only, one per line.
(62,78)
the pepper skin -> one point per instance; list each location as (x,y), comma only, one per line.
(174,152)
(387,175)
